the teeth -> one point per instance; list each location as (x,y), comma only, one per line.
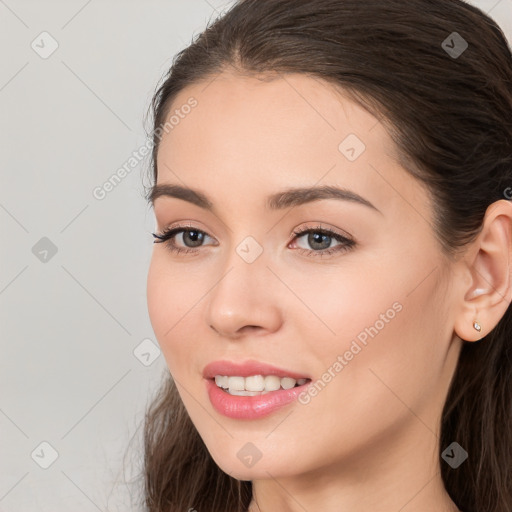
(221,381)
(272,383)
(255,384)
(288,383)
(236,384)
(245,393)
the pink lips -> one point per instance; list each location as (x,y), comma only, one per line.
(247,369)
(249,407)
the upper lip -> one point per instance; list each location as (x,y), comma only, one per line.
(246,369)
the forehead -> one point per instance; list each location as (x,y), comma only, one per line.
(291,117)
(251,108)
(264,134)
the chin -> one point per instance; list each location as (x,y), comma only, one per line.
(243,468)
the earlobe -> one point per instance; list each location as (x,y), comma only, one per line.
(488,263)
(471,330)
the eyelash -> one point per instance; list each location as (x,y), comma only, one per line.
(167,236)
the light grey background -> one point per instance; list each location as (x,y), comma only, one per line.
(70,323)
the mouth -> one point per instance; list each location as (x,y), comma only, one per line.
(252,389)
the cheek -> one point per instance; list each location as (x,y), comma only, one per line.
(160,297)
(392,354)
(377,331)
(172,291)
(338,304)
(169,302)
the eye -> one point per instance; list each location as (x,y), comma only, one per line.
(190,237)
(322,241)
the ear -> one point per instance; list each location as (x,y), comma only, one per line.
(487,290)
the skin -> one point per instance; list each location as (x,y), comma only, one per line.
(370,439)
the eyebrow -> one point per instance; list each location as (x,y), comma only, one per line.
(285,199)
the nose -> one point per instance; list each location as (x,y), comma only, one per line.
(245,300)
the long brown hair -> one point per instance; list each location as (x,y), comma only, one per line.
(448,108)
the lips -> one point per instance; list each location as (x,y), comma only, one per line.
(250,407)
(247,369)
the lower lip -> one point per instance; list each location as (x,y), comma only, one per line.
(250,407)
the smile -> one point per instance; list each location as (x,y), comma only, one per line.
(254,385)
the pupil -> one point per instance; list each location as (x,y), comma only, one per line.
(318,238)
(195,237)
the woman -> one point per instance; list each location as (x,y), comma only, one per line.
(330,278)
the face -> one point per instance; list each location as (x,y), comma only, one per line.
(353,295)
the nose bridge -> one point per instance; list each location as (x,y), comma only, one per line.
(243,295)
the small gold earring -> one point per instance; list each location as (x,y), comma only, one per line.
(477,326)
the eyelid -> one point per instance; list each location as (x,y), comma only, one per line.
(168,233)
(318,226)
